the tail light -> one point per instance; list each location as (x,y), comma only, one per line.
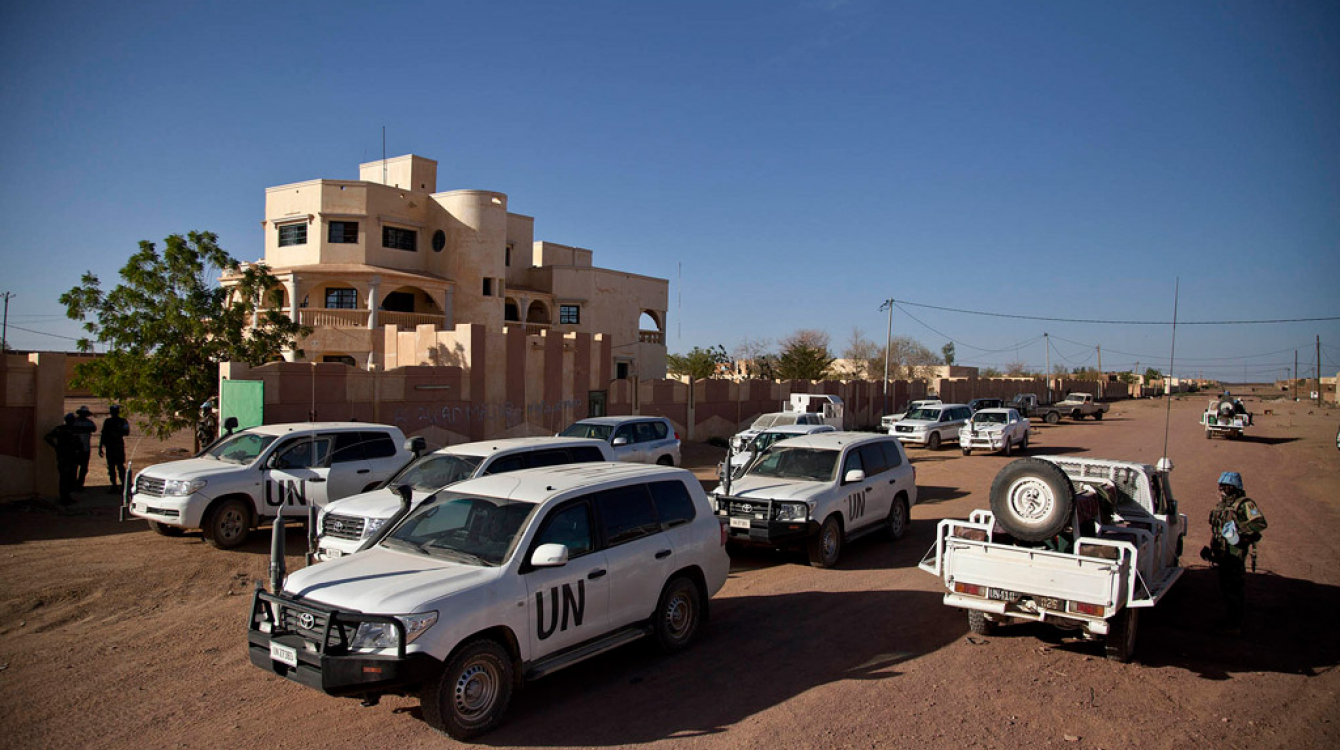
(1083,608)
(971,589)
(676,434)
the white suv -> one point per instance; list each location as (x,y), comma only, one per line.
(242,480)
(643,440)
(345,525)
(932,425)
(500,579)
(820,491)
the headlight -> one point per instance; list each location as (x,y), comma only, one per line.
(375,636)
(371,525)
(182,487)
(790,511)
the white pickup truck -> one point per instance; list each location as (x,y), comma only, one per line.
(1226,416)
(994,430)
(1083,544)
(1080,405)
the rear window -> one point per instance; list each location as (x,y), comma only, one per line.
(348,447)
(893,454)
(378,445)
(649,431)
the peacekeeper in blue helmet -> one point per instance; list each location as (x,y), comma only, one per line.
(1236,524)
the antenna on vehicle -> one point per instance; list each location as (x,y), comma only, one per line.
(1172,356)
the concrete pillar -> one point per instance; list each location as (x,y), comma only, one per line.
(374,299)
(448,313)
(291,287)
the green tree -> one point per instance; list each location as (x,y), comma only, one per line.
(948,352)
(698,363)
(167,327)
(1152,374)
(804,356)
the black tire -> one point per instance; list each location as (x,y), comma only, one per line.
(1031,499)
(1023,444)
(228,524)
(1098,415)
(899,519)
(826,547)
(967,451)
(665,461)
(978,624)
(679,614)
(1121,634)
(1008,450)
(933,442)
(163,529)
(473,692)
(1209,434)
(1052,417)
(1077,415)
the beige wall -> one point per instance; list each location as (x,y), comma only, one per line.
(32,400)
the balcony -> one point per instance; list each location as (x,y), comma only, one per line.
(651,337)
(326,317)
(409,321)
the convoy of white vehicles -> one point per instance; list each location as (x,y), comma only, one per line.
(460,574)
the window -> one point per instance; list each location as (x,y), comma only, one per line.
(378,445)
(341,299)
(343,232)
(626,514)
(872,457)
(570,314)
(488,287)
(400,239)
(673,504)
(649,431)
(302,453)
(570,527)
(292,234)
(343,359)
(555,457)
(852,463)
(514,462)
(586,454)
(627,433)
(348,448)
(507,255)
(893,457)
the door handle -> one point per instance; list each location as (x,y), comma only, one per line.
(316,480)
(893,481)
(662,554)
(600,573)
(365,471)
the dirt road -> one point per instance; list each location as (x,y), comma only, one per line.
(118,638)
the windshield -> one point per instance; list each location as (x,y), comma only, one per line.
(930,415)
(242,448)
(584,430)
(436,470)
(462,528)
(796,463)
(766,439)
(988,417)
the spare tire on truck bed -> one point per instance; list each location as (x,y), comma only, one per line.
(1032,499)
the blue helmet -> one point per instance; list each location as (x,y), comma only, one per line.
(1232,479)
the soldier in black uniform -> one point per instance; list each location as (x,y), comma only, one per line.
(84,428)
(112,443)
(1236,524)
(65,441)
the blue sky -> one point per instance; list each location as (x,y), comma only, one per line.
(785,165)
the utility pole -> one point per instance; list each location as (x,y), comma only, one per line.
(4,329)
(888,343)
(1048,344)
(1295,374)
(1100,362)
(1319,369)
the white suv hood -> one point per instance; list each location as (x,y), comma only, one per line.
(381,503)
(383,581)
(192,468)
(769,488)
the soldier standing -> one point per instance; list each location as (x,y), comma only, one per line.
(112,442)
(1236,524)
(65,441)
(84,428)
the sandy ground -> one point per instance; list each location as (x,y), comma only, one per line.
(118,638)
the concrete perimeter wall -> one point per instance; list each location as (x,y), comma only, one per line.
(32,400)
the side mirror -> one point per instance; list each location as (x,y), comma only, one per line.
(230,424)
(549,556)
(854,476)
(416,445)
(618,441)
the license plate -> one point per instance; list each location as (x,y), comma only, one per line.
(284,654)
(1002,594)
(739,523)
(330,554)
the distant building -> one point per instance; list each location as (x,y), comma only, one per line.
(387,249)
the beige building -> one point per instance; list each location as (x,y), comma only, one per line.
(388,249)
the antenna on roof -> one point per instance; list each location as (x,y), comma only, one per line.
(1168,379)
(383,154)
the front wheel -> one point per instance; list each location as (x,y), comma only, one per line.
(1052,418)
(1098,415)
(933,442)
(473,691)
(1121,633)
(679,614)
(228,525)
(1023,444)
(825,548)
(1009,447)
(665,461)
(967,451)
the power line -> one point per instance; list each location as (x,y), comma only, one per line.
(44,333)
(964,344)
(1118,322)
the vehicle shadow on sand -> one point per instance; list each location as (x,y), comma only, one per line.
(637,695)
(1289,628)
(1263,440)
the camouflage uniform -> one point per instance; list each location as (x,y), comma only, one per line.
(1231,559)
